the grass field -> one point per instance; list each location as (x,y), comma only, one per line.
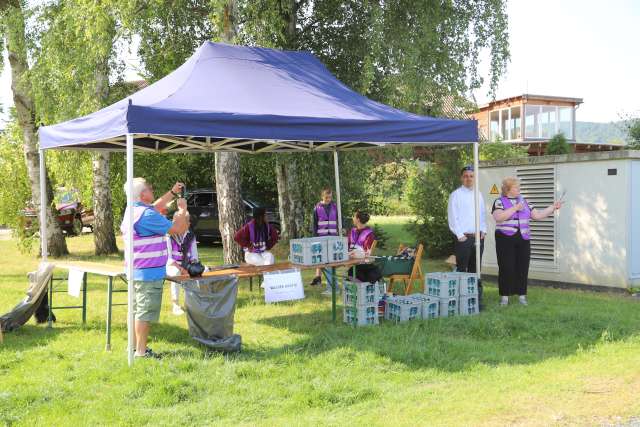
(569,358)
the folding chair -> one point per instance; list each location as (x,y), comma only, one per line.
(373,247)
(416,273)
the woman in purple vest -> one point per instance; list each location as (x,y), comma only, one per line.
(513,248)
(257,237)
(176,259)
(361,237)
(325,223)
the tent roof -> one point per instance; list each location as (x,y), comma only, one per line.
(251,99)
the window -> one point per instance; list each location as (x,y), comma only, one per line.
(514,123)
(203,200)
(547,121)
(494,126)
(531,121)
(504,124)
(565,121)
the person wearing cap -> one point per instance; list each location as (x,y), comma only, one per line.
(513,215)
(462,223)
(257,237)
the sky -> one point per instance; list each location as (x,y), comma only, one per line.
(576,48)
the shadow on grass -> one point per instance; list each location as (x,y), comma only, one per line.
(551,327)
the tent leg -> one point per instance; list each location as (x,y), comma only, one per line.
(43,207)
(476,199)
(129,252)
(336,169)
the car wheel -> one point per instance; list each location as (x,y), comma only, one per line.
(77,227)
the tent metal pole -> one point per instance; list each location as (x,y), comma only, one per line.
(43,207)
(476,199)
(129,252)
(336,168)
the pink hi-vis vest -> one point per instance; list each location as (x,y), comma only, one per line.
(148,251)
(176,250)
(258,240)
(358,239)
(519,220)
(327,224)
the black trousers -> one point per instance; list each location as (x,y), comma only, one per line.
(466,259)
(513,253)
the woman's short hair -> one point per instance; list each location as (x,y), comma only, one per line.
(139,184)
(507,183)
(363,217)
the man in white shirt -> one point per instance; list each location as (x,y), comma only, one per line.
(462,223)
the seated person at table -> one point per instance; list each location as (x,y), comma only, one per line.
(256,238)
(361,237)
(177,244)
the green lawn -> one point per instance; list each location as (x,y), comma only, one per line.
(570,358)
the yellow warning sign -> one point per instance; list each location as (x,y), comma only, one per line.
(494,189)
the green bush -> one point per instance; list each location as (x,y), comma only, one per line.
(558,145)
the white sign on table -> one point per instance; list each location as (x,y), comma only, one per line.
(75,280)
(283,286)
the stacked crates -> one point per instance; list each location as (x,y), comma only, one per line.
(430,305)
(403,309)
(469,301)
(337,249)
(457,293)
(309,251)
(360,301)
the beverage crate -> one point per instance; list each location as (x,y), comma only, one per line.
(468,284)
(468,305)
(448,307)
(360,293)
(337,248)
(402,309)
(442,285)
(430,305)
(361,315)
(308,251)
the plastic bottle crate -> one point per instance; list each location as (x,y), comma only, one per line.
(308,251)
(403,309)
(442,285)
(430,305)
(361,315)
(468,284)
(448,307)
(468,305)
(360,293)
(337,248)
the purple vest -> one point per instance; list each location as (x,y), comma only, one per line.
(519,220)
(148,251)
(258,240)
(176,250)
(358,239)
(327,224)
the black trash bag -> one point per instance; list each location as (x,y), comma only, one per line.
(210,305)
(369,273)
(35,302)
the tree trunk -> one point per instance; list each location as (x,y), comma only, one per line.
(104,237)
(230,208)
(25,112)
(287,225)
(230,205)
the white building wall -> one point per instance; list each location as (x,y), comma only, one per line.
(634,220)
(591,229)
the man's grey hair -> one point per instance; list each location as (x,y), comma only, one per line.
(139,184)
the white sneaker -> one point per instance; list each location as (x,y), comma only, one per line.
(504,300)
(177,310)
(523,300)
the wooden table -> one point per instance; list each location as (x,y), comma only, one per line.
(250,271)
(105,270)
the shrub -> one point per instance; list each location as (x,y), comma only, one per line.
(558,145)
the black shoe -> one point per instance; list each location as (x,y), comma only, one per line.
(316,281)
(149,354)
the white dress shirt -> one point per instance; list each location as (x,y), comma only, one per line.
(461,214)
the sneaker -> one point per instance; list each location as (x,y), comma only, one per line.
(149,354)
(523,300)
(316,281)
(177,310)
(504,300)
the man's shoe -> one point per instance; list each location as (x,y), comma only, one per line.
(177,310)
(316,281)
(149,354)
(523,300)
(504,301)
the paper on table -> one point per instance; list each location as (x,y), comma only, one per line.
(76,277)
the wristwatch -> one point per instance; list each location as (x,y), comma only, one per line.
(175,194)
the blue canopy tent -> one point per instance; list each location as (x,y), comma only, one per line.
(248,100)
